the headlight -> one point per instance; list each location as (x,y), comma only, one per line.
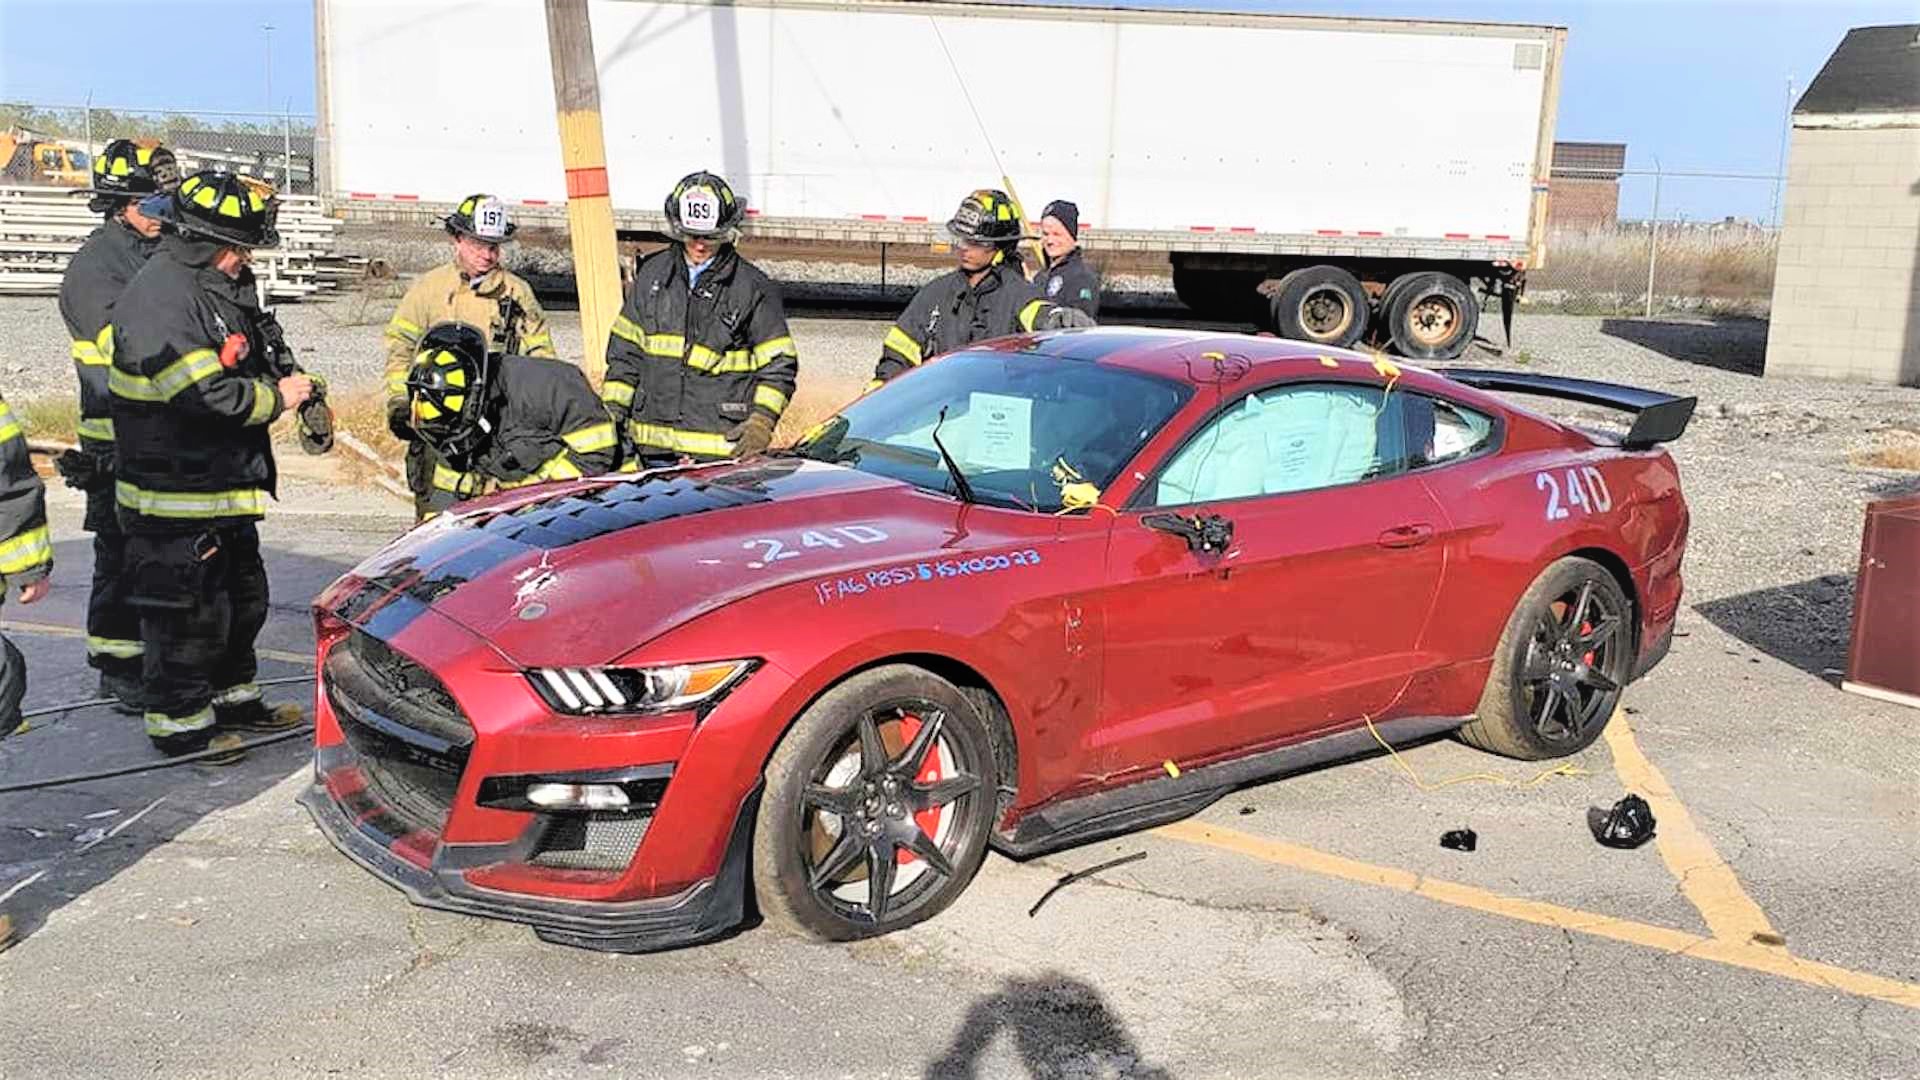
(587,691)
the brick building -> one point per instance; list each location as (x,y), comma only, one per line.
(1846,291)
(1586,185)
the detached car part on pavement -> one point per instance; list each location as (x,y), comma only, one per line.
(981,607)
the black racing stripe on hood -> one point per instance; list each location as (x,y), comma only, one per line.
(575,518)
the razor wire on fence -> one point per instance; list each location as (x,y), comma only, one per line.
(1657,241)
(279,148)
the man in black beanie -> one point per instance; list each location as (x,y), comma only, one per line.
(1066,279)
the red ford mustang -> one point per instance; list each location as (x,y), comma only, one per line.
(1038,592)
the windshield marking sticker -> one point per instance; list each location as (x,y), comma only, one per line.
(908,573)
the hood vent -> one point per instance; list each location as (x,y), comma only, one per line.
(581,516)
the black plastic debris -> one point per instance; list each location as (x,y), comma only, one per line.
(1628,825)
(1460,839)
(1068,879)
(1245,810)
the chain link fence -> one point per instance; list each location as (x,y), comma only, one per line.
(276,147)
(1651,241)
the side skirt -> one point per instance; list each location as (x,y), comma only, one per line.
(1146,803)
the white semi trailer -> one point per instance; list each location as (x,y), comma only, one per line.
(1337,179)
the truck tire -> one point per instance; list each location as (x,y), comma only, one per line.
(1431,316)
(1321,304)
(1385,304)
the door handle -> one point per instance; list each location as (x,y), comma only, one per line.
(1406,536)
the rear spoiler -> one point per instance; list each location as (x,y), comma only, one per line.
(1657,417)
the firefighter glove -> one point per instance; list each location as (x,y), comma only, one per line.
(78,469)
(400,418)
(1065,318)
(751,435)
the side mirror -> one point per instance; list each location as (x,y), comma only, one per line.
(1202,532)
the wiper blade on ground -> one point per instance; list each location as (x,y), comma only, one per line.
(960,483)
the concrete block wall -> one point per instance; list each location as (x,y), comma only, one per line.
(1846,291)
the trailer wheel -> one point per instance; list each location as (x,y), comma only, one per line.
(1322,304)
(1431,316)
(1381,318)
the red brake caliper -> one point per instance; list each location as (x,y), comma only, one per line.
(931,769)
(1585,629)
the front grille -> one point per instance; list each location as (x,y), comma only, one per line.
(404,678)
(597,841)
(410,736)
(420,797)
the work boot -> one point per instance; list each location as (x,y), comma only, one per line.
(124,692)
(257,715)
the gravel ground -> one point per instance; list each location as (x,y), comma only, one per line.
(1768,463)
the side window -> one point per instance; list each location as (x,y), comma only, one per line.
(1288,438)
(1441,431)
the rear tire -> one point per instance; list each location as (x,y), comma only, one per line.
(1560,667)
(1324,305)
(865,810)
(1432,316)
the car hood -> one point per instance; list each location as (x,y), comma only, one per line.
(583,574)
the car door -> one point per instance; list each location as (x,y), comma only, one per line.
(1310,617)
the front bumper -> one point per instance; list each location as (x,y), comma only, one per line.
(701,912)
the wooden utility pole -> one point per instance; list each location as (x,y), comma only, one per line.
(583,152)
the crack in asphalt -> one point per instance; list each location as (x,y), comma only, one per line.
(1545,1002)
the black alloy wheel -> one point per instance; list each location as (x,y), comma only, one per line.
(877,809)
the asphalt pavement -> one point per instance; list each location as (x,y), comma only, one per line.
(191,922)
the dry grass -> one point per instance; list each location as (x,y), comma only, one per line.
(1605,272)
(1897,450)
(54,418)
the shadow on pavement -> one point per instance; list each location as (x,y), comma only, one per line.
(1729,343)
(1806,624)
(57,844)
(1061,1028)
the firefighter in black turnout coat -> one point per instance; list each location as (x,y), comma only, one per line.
(193,395)
(700,363)
(984,297)
(1066,278)
(501,421)
(123,174)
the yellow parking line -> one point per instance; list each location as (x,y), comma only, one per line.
(1768,960)
(1705,878)
(50,630)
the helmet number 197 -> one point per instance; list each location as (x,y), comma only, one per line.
(1586,489)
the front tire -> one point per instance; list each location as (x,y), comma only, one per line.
(877,807)
(1560,667)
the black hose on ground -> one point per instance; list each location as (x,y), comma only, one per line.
(154,766)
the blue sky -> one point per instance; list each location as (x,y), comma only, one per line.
(1699,84)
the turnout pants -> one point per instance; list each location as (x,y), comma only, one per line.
(202,599)
(13,686)
(113,623)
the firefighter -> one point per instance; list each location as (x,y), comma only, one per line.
(700,363)
(1066,278)
(985,296)
(123,175)
(496,422)
(193,396)
(26,560)
(472,288)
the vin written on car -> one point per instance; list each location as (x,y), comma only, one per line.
(983,606)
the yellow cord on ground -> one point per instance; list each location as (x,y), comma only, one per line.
(1565,768)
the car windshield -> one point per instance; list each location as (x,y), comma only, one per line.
(1017,424)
